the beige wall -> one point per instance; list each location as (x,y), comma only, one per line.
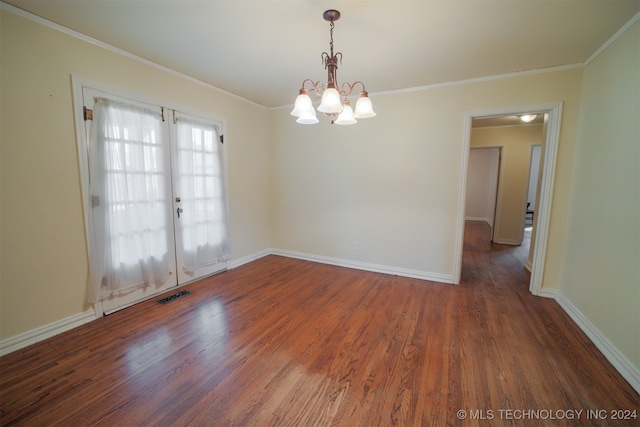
(392,183)
(600,273)
(516,143)
(482,184)
(44,259)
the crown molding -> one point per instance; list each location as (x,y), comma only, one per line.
(465,82)
(613,38)
(482,79)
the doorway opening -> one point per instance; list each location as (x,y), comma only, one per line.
(540,224)
(502,177)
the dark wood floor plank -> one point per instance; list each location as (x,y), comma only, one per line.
(287,342)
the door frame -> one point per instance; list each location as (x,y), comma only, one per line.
(77,85)
(543,217)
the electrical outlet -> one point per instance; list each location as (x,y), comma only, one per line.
(355,246)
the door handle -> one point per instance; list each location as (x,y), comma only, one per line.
(179,212)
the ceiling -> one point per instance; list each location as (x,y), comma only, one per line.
(506,120)
(262,50)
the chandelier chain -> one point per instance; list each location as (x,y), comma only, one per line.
(331,38)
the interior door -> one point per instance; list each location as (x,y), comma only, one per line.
(199,197)
(153,166)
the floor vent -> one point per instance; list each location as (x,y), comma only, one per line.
(173,297)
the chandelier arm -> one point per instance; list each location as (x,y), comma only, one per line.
(313,84)
(345,90)
(349,88)
(316,87)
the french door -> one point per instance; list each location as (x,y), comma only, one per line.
(202,239)
(157,199)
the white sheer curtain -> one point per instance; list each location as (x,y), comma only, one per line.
(201,185)
(129,182)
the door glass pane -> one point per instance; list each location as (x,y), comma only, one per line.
(129,182)
(202,237)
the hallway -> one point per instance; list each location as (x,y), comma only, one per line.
(492,264)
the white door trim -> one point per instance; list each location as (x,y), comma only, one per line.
(78,85)
(543,215)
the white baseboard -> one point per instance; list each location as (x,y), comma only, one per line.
(234,263)
(613,355)
(415,274)
(528,265)
(477,218)
(548,293)
(509,242)
(628,371)
(41,333)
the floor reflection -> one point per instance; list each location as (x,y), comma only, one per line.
(149,351)
(204,333)
(210,326)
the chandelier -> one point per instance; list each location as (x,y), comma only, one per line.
(334,98)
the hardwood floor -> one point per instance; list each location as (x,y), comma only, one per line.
(291,343)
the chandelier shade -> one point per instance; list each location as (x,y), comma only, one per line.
(303,104)
(334,98)
(330,101)
(364,108)
(346,116)
(307,118)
